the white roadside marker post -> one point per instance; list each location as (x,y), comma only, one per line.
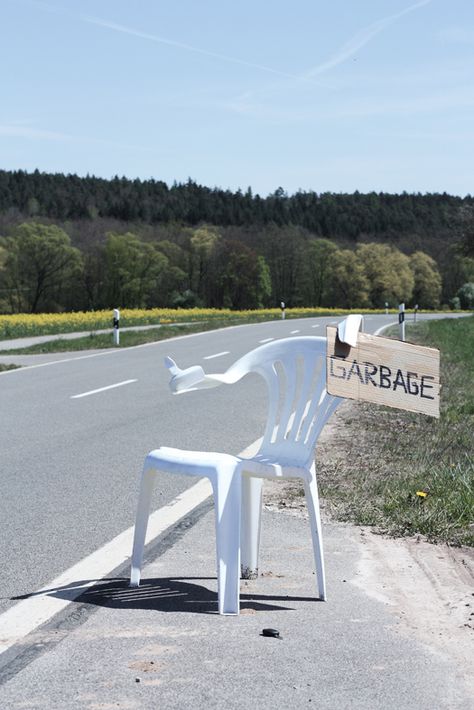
(282,306)
(116,326)
(401,321)
(386,308)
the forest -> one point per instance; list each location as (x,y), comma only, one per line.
(72,243)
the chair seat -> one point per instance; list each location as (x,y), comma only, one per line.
(188,463)
(201,463)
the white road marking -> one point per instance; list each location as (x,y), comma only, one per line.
(113,351)
(211,357)
(23,618)
(266,340)
(116,351)
(384,327)
(103,389)
(316,326)
(28,614)
(293,332)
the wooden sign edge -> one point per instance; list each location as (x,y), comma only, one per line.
(434,352)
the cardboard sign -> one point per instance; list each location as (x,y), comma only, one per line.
(384,371)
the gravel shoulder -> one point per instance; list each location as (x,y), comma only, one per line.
(428,588)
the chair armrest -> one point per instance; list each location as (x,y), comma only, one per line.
(193,378)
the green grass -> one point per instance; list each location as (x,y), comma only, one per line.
(4,368)
(128,338)
(385,456)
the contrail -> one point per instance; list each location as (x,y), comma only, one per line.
(360,40)
(181,45)
(159,40)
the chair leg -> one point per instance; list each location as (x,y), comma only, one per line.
(141,523)
(227,502)
(312,501)
(250,533)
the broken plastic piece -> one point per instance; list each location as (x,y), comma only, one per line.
(348,329)
(182,380)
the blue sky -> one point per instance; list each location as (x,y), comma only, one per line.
(336,96)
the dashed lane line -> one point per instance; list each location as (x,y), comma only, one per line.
(211,357)
(103,389)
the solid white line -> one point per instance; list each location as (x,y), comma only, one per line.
(293,332)
(113,351)
(28,614)
(211,357)
(23,618)
(103,389)
(266,340)
(384,327)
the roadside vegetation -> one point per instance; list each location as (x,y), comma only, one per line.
(404,473)
(99,341)
(30,324)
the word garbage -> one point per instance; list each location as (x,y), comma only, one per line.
(381,376)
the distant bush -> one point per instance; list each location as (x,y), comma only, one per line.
(465,296)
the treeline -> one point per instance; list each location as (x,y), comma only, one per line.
(70,243)
(40,270)
(347,217)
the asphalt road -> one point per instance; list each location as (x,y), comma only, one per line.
(70,466)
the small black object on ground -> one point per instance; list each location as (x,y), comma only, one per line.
(273,633)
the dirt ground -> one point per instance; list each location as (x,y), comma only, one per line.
(429,588)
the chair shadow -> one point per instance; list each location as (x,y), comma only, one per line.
(164,594)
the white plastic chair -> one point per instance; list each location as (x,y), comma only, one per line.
(299,406)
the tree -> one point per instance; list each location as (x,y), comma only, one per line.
(467,235)
(466,296)
(427,287)
(3,291)
(264,283)
(242,279)
(174,280)
(318,267)
(39,268)
(283,249)
(388,273)
(132,270)
(203,244)
(455,270)
(350,286)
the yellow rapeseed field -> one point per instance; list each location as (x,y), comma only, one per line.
(25,324)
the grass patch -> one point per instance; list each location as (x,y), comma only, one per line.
(4,368)
(98,341)
(383,458)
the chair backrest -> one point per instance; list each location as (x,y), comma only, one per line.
(299,406)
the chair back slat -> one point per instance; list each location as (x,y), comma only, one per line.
(270,375)
(287,394)
(299,406)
